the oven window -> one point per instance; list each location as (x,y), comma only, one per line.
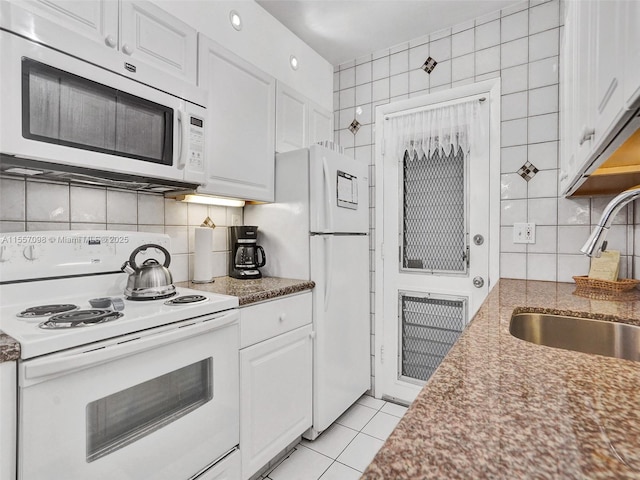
(65,109)
(126,416)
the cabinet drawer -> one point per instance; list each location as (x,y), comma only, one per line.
(266,320)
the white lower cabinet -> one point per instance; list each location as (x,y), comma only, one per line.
(8,419)
(275,383)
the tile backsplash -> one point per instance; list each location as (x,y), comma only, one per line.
(32,205)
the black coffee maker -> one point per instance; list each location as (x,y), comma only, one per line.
(246,254)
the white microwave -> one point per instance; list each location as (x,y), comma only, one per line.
(60,111)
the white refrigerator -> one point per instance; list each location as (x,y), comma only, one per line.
(317,229)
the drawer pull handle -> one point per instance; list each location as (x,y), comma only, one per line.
(282,317)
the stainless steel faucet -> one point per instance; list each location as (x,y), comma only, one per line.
(596,244)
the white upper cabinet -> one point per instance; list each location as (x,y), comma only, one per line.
(127,37)
(150,34)
(240,124)
(599,85)
(300,122)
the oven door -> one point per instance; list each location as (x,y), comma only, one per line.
(158,404)
(62,110)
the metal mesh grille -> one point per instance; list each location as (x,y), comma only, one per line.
(434,236)
(429,326)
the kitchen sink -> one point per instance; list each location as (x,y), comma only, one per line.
(585,335)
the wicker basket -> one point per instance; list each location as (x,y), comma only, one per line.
(604,286)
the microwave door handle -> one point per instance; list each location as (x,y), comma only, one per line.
(182,136)
(40,369)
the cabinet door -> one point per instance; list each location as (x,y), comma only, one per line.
(150,34)
(632,54)
(275,399)
(96,21)
(8,413)
(291,119)
(241,124)
(608,69)
(320,124)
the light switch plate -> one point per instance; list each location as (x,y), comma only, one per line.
(524,233)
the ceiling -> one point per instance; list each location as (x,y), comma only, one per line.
(342,30)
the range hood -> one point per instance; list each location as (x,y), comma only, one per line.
(26,168)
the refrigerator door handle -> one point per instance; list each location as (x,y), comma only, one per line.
(328,207)
(328,270)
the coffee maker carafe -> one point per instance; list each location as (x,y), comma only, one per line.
(246,254)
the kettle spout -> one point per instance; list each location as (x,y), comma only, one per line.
(126,267)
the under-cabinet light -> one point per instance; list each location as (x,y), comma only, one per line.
(293,61)
(208,200)
(236,21)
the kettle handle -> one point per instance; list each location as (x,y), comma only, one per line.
(264,256)
(142,248)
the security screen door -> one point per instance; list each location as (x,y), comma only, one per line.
(436,222)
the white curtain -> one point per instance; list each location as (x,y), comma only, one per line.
(436,128)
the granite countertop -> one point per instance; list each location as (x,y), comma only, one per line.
(252,291)
(500,407)
(9,348)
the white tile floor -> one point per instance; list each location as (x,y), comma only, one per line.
(345,449)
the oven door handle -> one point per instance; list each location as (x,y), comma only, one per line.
(41,369)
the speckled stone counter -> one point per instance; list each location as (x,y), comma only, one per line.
(9,348)
(251,291)
(500,407)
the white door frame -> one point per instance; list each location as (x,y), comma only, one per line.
(492,90)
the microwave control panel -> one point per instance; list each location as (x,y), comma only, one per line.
(195,146)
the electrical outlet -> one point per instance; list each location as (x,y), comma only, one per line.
(524,233)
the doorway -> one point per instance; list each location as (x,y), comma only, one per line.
(437,235)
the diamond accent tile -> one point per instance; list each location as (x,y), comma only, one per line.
(528,171)
(429,65)
(355,126)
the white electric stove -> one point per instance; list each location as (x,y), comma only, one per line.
(106,382)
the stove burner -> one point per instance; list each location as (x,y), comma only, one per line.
(186,299)
(80,318)
(46,310)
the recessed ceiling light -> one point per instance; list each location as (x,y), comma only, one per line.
(236,21)
(293,61)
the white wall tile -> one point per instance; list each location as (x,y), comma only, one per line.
(572,265)
(487,60)
(179,268)
(363,73)
(122,227)
(44,226)
(514,106)
(513,265)
(514,53)
(487,35)
(441,75)
(543,72)
(179,239)
(512,186)
(574,211)
(418,80)
(463,43)
(514,132)
(12,199)
(347,97)
(445,32)
(544,44)
(544,184)
(543,128)
(543,17)
(399,62)
(512,211)
(363,114)
(506,242)
(47,202)
(543,155)
(571,238)
(364,136)
(196,213)
(399,84)
(617,239)
(440,49)
(380,89)
(546,240)
(514,79)
(88,204)
(543,211)
(347,78)
(514,26)
(515,8)
(461,27)
(417,56)
(380,68)
(512,158)
(175,213)
(598,204)
(336,81)
(542,267)
(488,17)
(462,67)
(399,48)
(543,100)
(346,117)
(9,226)
(150,209)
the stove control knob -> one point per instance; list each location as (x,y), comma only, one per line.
(31,252)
